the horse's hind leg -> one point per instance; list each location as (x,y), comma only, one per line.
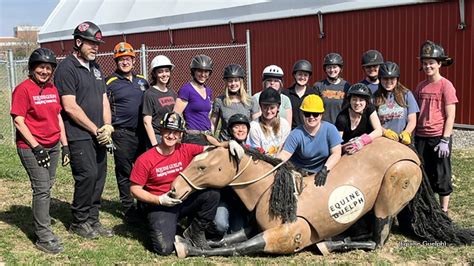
(237,237)
(399,186)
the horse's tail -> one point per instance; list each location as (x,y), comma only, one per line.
(430,222)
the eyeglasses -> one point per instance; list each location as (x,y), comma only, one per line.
(309,114)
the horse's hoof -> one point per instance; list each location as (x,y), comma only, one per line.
(323,248)
(180,247)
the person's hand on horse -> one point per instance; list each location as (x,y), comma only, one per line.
(442,148)
(320,178)
(66,155)
(41,155)
(168,201)
(236,149)
(390,134)
(405,137)
(104,134)
(356,144)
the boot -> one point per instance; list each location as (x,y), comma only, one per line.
(237,237)
(196,234)
(326,247)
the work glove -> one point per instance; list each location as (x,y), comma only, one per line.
(168,201)
(442,148)
(405,137)
(104,134)
(236,149)
(390,134)
(66,155)
(320,178)
(42,156)
(356,144)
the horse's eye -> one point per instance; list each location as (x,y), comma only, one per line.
(201,168)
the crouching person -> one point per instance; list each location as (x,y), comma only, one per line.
(151,179)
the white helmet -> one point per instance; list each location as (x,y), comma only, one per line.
(161,61)
(272,71)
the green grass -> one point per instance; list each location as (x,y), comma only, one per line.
(129,245)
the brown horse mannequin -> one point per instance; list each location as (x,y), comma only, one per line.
(382,177)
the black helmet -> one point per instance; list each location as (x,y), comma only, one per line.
(389,70)
(333,59)
(372,58)
(234,71)
(89,31)
(269,96)
(41,55)
(359,89)
(173,121)
(431,50)
(238,119)
(303,65)
(201,61)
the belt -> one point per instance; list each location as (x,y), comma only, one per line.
(197,132)
(132,129)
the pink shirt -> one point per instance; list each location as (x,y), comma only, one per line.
(432,99)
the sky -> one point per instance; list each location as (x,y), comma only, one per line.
(23,12)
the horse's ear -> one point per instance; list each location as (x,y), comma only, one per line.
(213,141)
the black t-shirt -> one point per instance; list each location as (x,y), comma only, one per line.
(296,103)
(343,123)
(72,78)
(156,104)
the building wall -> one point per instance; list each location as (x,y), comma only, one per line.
(397,32)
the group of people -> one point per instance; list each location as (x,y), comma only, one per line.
(152,130)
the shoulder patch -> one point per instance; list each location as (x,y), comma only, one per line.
(110,80)
(141,76)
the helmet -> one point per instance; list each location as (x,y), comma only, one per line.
(313,104)
(161,61)
(123,49)
(201,61)
(272,71)
(238,119)
(89,31)
(173,121)
(41,55)
(431,50)
(269,96)
(234,71)
(303,65)
(372,58)
(333,59)
(389,70)
(359,89)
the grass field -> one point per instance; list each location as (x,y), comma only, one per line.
(129,244)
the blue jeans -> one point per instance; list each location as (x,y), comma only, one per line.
(42,180)
(231,214)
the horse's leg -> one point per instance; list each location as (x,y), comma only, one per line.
(399,186)
(283,239)
(237,237)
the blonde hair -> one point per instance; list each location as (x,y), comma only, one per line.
(274,124)
(244,97)
(399,92)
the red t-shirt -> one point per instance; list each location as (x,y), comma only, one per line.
(40,108)
(155,172)
(432,99)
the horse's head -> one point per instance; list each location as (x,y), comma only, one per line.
(214,168)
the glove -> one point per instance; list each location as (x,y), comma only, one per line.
(41,155)
(104,134)
(355,144)
(405,137)
(66,155)
(390,134)
(236,149)
(442,148)
(320,178)
(168,201)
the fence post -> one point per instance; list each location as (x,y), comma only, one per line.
(12,82)
(143,61)
(249,64)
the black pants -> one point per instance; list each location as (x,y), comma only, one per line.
(162,220)
(89,169)
(128,146)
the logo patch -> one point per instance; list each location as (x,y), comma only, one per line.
(98,36)
(97,74)
(83,27)
(346,204)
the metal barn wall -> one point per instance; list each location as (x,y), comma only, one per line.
(397,32)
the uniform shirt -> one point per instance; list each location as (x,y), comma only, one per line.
(155,172)
(125,99)
(156,104)
(197,111)
(343,123)
(40,107)
(296,103)
(311,152)
(432,99)
(271,143)
(333,96)
(372,86)
(285,104)
(72,78)
(395,117)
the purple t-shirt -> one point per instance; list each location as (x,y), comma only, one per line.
(197,111)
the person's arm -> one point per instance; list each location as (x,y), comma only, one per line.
(214,121)
(107,111)
(411,123)
(289,115)
(450,110)
(180,105)
(25,131)
(63,137)
(284,155)
(335,156)
(256,115)
(150,132)
(142,195)
(375,121)
(78,115)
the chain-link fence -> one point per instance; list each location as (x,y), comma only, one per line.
(221,54)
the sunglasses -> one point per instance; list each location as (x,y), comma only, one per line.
(309,114)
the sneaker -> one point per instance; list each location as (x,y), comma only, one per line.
(52,246)
(84,230)
(101,230)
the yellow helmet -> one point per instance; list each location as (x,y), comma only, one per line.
(313,104)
